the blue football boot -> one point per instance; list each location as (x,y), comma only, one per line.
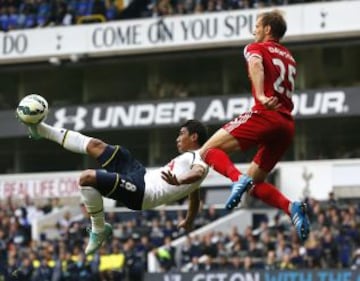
(300,219)
(238,188)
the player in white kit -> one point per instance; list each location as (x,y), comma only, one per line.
(125,179)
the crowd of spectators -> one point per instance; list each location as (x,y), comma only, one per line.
(21,14)
(334,243)
(62,258)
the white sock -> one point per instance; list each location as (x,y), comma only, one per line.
(94,205)
(70,140)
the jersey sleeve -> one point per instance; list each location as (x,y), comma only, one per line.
(251,50)
(197,160)
(193,158)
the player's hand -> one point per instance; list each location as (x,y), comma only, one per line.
(185,225)
(169,177)
(271,103)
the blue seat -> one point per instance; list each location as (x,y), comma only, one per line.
(90,6)
(72,5)
(13,21)
(41,20)
(30,21)
(4,22)
(82,8)
(111,13)
(43,9)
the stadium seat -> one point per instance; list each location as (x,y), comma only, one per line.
(83,8)
(43,8)
(43,14)
(111,13)
(30,21)
(41,20)
(13,21)
(4,22)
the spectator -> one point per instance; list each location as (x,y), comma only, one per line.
(26,269)
(271,263)
(223,262)
(43,272)
(286,263)
(329,251)
(171,250)
(195,265)
(186,255)
(296,258)
(58,12)
(143,248)
(208,264)
(236,263)
(211,214)
(356,260)
(99,8)
(156,233)
(170,230)
(81,269)
(248,263)
(209,248)
(27,11)
(111,10)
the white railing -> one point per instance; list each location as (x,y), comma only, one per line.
(47,224)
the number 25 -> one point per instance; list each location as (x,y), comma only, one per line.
(278,84)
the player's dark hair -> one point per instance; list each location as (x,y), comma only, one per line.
(276,21)
(196,127)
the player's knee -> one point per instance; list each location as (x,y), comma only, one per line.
(96,146)
(87,178)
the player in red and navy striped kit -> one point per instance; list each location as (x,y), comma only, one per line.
(269,125)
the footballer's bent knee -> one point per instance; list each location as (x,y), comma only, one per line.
(87,178)
(96,147)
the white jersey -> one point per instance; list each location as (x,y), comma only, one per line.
(158,191)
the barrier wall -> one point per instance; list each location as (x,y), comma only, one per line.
(296,179)
(314,21)
(298,275)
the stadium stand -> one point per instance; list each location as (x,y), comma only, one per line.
(270,244)
(41,13)
(334,243)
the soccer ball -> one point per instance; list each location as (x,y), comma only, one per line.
(32,109)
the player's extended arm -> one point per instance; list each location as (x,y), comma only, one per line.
(257,76)
(193,209)
(195,174)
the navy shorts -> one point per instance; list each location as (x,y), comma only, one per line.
(122,177)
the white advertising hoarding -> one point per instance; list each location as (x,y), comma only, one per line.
(209,30)
(314,178)
(39,185)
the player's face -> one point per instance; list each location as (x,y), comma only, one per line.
(259,32)
(183,141)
